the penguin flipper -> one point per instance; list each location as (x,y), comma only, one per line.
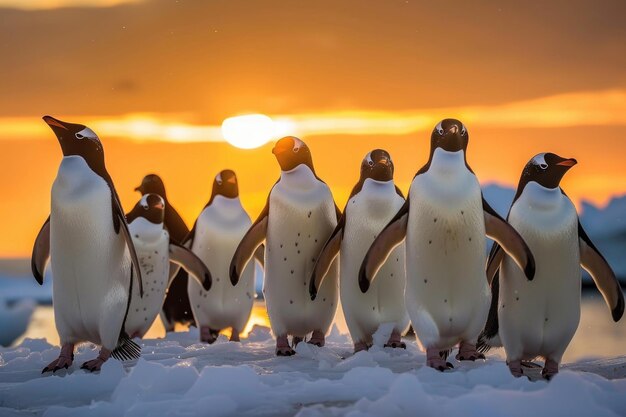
(509,240)
(496,255)
(120,225)
(326,257)
(185,258)
(391,236)
(259,255)
(492,327)
(41,252)
(603,276)
(253,238)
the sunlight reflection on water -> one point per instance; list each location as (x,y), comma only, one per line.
(597,335)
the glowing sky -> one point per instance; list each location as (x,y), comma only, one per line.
(156,78)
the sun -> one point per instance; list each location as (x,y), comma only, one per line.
(248,131)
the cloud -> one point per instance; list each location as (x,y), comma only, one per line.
(597,108)
(57,4)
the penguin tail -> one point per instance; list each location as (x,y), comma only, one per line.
(126,349)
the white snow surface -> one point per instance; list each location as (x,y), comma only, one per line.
(178,376)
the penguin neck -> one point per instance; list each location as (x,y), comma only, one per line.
(146,231)
(74,172)
(378,187)
(228,205)
(300,177)
(446,163)
(536,196)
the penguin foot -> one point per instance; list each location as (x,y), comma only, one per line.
(318,339)
(64,361)
(435,361)
(468,352)
(234,336)
(208,335)
(395,341)
(516,368)
(550,369)
(283,348)
(396,345)
(359,346)
(285,351)
(95,365)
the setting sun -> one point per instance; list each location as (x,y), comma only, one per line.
(249,131)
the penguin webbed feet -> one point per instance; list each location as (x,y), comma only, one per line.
(208,335)
(64,361)
(436,359)
(60,363)
(318,339)
(95,365)
(550,369)
(468,352)
(395,340)
(282,346)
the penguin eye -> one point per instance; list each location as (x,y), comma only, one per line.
(79,136)
(296,149)
(440,130)
(463,130)
(145,206)
(543,166)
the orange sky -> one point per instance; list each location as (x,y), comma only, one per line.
(348,76)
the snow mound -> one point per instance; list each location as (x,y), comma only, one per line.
(177,376)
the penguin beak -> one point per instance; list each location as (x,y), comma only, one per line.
(452,130)
(384,161)
(138,189)
(52,122)
(159,205)
(232,180)
(568,163)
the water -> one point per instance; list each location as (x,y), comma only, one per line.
(597,335)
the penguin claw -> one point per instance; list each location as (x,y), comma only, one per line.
(285,351)
(61,362)
(396,345)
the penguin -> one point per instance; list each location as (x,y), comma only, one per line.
(176,308)
(443,223)
(299,216)
(373,202)
(214,237)
(159,258)
(92,255)
(539,318)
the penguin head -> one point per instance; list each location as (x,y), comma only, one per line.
(78,140)
(546,169)
(377,165)
(151,207)
(449,135)
(291,152)
(151,183)
(225,184)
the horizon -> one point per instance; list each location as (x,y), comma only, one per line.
(155,79)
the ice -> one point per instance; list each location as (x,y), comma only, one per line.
(178,376)
(14,319)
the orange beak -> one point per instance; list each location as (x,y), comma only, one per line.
(568,163)
(53,122)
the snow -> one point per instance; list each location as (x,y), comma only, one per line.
(178,376)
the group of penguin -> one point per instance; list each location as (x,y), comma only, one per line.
(392,260)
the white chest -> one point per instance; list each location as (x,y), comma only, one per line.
(548,222)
